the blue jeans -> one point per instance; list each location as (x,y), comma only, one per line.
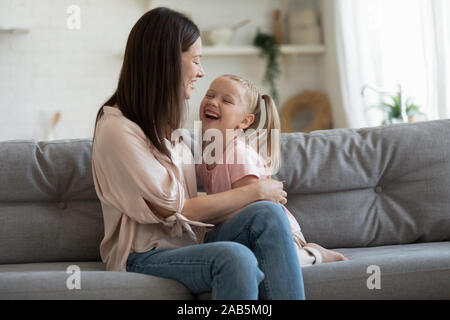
(249,256)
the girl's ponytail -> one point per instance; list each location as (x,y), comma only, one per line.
(272,133)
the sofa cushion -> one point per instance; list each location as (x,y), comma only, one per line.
(48,281)
(370,186)
(413,271)
(49,210)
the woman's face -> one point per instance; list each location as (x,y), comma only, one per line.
(192,67)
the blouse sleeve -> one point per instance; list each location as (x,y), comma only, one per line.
(131,174)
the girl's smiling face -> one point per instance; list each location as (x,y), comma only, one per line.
(225,106)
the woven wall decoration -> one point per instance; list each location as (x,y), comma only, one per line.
(306,112)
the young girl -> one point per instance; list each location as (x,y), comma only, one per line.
(235,105)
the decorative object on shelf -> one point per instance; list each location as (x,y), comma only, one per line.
(399,109)
(306,112)
(269,50)
(277,26)
(303,27)
(222,36)
(47,125)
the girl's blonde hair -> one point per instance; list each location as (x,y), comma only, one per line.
(267,118)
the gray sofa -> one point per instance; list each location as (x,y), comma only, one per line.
(380,195)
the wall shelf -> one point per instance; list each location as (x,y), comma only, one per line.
(248,50)
(287,49)
(13,30)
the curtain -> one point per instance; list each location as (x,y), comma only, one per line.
(441,17)
(387,43)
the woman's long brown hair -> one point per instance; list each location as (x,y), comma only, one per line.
(150,91)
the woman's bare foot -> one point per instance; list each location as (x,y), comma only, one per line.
(327,255)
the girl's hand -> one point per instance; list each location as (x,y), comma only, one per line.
(271,190)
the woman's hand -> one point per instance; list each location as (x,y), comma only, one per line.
(271,190)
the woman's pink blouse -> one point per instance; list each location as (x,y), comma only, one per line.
(129,175)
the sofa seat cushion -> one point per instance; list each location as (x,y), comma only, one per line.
(48,281)
(411,271)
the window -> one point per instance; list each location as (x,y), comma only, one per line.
(404,42)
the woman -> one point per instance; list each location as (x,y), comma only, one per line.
(154,221)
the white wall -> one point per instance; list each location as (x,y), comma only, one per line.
(53,68)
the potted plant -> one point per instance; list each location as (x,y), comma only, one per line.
(270,50)
(393,108)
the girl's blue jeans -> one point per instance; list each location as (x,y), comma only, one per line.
(249,256)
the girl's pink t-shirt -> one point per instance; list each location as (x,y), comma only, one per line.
(239,160)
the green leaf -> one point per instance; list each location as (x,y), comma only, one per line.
(394,108)
(412,109)
(270,50)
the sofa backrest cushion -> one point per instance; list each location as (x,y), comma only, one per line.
(49,210)
(371,186)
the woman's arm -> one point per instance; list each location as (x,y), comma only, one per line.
(240,183)
(244,181)
(220,206)
(217,207)
(247,180)
(211,207)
